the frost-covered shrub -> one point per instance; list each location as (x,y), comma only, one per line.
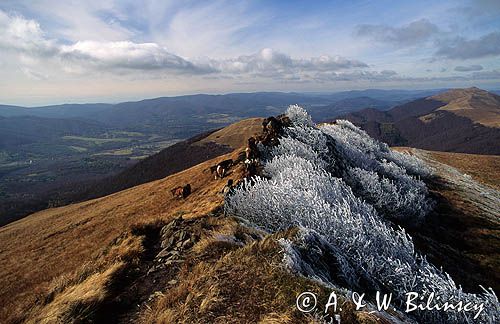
(299,116)
(300,137)
(372,255)
(302,194)
(393,198)
(375,171)
(291,146)
(411,164)
(358,145)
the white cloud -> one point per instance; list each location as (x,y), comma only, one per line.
(34,75)
(115,47)
(270,63)
(26,38)
(129,56)
(23,35)
(81,20)
(212,28)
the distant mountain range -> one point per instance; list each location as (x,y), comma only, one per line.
(458,120)
(141,254)
(50,156)
(237,104)
(48,153)
(180,117)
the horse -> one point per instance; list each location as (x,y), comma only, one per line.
(221,168)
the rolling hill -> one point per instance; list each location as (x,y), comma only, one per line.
(176,158)
(170,160)
(140,255)
(22,130)
(53,155)
(478,105)
(459,120)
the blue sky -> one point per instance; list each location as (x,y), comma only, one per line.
(104,50)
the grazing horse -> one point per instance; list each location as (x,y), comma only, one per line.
(177,192)
(221,168)
(186,190)
(250,170)
(181,191)
(252,151)
(213,169)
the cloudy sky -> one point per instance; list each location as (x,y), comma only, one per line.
(55,51)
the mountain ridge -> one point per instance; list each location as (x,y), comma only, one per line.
(105,239)
(458,120)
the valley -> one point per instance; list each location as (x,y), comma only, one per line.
(141,255)
(54,155)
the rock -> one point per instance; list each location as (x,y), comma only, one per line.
(183,235)
(168,242)
(187,244)
(172,262)
(163,253)
(173,254)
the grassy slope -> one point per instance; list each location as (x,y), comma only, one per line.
(482,168)
(56,248)
(462,234)
(42,246)
(478,105)
(56,241)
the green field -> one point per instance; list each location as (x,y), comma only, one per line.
(128,134)
(78,149)
(97,141)
(119,152)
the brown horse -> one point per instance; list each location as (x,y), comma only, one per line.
(181,191)
(252,151)
(221,168)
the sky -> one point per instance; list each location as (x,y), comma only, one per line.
(55,51)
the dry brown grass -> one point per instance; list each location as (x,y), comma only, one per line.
(482,168)
(236,135)
(238,284)
(74,296)
(43,246)
(478,105)
(230,276)
(74,303)
(49,245)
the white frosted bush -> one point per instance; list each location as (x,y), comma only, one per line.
(299,116)
(390,197)
(357,144)
(302,192)
(375,171)
(294,147)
